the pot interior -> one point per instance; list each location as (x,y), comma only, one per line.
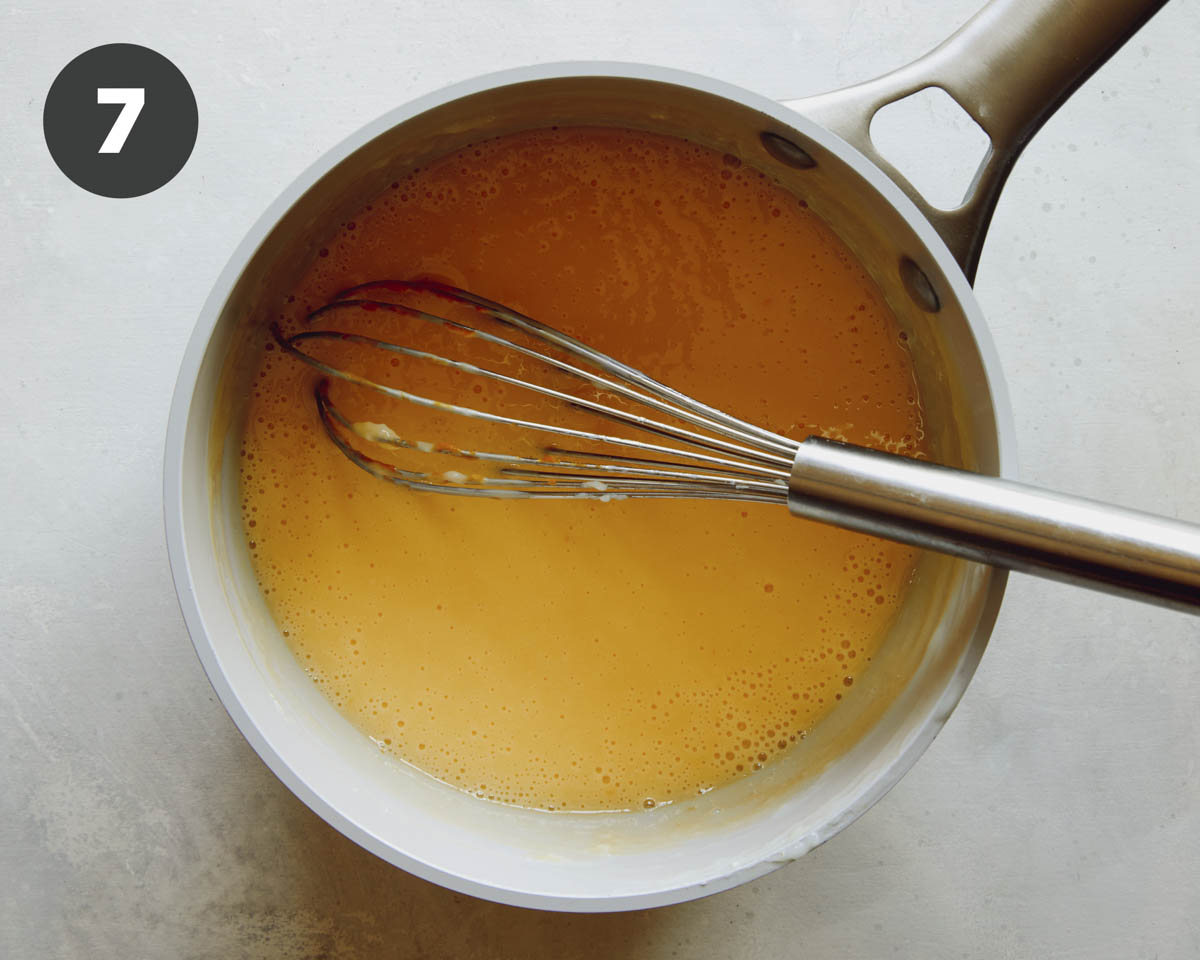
(593,861)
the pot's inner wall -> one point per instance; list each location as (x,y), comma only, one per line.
(761,814)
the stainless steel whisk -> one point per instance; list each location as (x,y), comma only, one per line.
(719,457)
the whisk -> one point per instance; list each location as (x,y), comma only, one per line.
(682,448)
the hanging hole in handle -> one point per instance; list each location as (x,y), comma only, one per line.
(933,142)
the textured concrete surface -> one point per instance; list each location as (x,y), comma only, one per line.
(1057,815)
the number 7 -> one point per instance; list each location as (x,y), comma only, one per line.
(133,98)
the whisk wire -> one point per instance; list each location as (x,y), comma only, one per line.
(674,403)
(742,462)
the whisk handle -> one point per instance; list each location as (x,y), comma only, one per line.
(999,522)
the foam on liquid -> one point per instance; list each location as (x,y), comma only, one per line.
(583,655)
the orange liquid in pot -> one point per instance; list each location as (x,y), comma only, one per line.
(582,655)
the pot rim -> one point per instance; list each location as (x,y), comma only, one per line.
(181,409)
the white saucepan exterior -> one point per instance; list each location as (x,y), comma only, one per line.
(1009,67)
(583,862)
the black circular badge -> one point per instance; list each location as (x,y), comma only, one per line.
(120,120)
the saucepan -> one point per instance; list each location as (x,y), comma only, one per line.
(1009,68)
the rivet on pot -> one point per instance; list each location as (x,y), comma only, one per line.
(918,286)
(786,152)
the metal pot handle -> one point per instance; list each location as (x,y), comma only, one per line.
(1010,67)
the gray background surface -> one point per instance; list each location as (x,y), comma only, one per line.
(1057,815)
